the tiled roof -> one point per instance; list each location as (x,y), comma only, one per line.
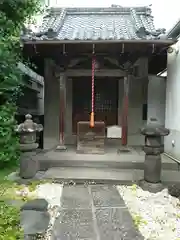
(114,23)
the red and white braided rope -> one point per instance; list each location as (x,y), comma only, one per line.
(93,70)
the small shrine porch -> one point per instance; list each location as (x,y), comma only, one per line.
(63,51)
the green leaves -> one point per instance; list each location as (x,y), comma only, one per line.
(9,142)
(13,15)
(10,222)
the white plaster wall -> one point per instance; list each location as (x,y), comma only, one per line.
(156,99)
(172,120)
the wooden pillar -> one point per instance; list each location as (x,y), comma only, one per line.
(125,112)
(68,115)
(62,105)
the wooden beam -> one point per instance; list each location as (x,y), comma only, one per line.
(76,61)
(98,73)
(125,111)
(113,61)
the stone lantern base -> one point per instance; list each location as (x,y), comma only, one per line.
(28,163)
(153,148)
(28,136)
(152,168)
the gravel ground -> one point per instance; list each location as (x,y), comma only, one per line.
(157,215)
(52,193)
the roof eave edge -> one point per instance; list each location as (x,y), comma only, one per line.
(155,41)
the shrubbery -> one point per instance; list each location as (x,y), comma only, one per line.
(13,16)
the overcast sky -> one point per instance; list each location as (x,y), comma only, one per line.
(166,12)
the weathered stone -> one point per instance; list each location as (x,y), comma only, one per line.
(28,165)
(28,129)
(29,237)
(90,140)
(39,175)
(153,148)
(34,222)
(74,224)
(154,129)
(15,203)
(152,168)
(34,237)
(116,223)
(75,197)
(174,190)
(29,147)
(149,150)
(14,176)
(151,187)
(36,205)
(106,196)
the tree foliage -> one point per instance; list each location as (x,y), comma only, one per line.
(14,14)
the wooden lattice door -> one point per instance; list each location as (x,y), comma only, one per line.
(106,100)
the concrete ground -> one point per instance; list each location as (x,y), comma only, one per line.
(93,213)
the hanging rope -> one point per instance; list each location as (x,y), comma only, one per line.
(92,97)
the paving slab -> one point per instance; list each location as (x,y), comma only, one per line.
(106,196)
(74,224)
(116,223)
(36,205)
(75,197)
(34,222)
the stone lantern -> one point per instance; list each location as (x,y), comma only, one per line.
(153,148)
(28,131)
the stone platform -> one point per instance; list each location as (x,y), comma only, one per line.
(105,176)
(112,159)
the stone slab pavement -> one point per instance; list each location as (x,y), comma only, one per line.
(95,212)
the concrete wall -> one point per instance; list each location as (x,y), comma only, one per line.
(173,103)
(156,99)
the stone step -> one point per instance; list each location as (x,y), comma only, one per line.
(104,175)
(101,161)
